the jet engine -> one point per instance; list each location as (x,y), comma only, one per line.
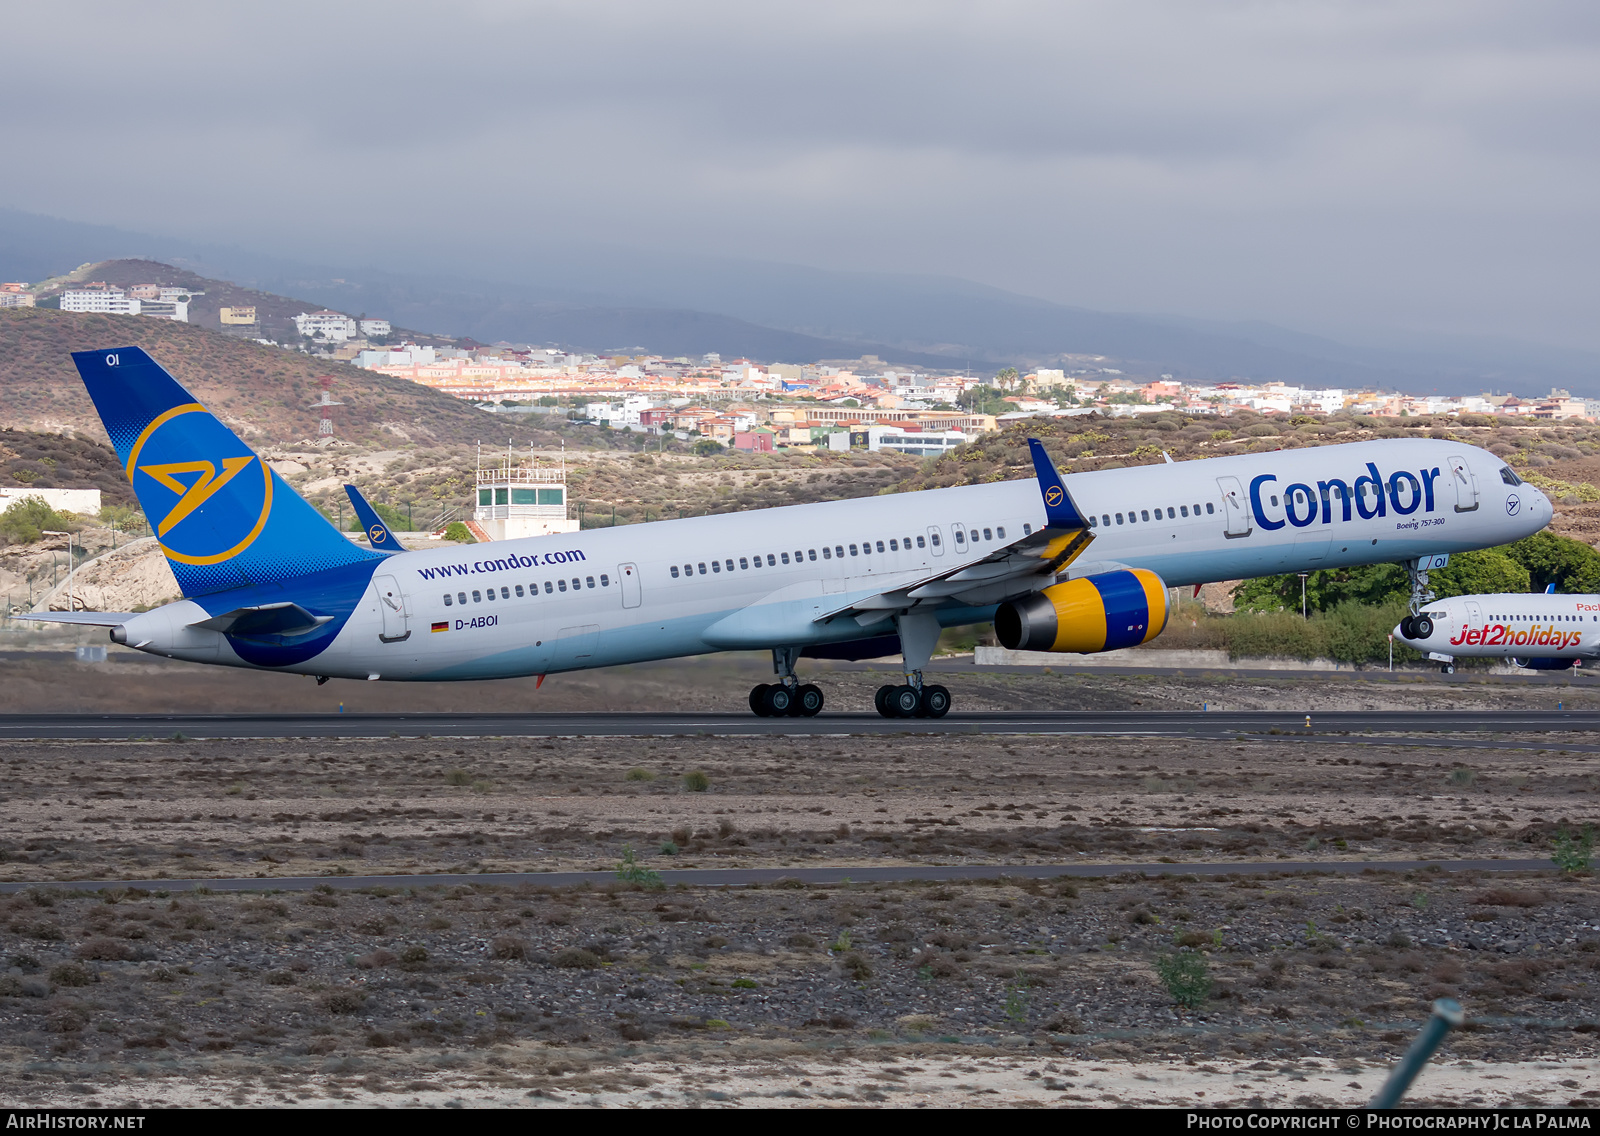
(1094,613)
(1544,664)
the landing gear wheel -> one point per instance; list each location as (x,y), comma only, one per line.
(880,701)
(1408,627)
(758,694)
(1421,627)
(903,702)
(935,702)
(776,701)
(1447,668)
(808,701)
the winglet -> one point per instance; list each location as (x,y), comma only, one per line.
(1059,510)
(1549,589)
(377,532)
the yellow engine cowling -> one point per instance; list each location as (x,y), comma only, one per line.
(1103,612)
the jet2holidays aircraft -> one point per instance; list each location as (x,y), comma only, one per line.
(1541,631)
(1069,564)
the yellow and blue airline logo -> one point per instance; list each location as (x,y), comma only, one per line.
(378,534)
(207,493)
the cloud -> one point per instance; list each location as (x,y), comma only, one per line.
(1328,165)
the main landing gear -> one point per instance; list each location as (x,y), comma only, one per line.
(788,697)
(919,634)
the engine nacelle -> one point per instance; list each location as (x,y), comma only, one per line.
(1095,613)
(1544,664)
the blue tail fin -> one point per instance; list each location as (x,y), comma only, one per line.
(223,518)
(377,532)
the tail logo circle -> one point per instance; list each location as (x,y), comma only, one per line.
(196,482)
(1052,496)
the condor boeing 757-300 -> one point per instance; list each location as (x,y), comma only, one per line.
(1073,564)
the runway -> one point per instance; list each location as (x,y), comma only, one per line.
(1170,724)
(745,877)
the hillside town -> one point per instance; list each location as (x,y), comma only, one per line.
(762,406)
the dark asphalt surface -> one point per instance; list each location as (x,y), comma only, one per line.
(1176,724)
(740,877)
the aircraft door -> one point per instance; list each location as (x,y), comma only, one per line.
(392,603)
(1474,614)
(958,534)
(935,541)
(1235,509)
(578,643)
(628,577)
(1465,483)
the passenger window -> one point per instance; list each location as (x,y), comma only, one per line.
(716,565)
(491,595)
(447,599)
(920,543)
(605,580)
(1184,509)
(562,584)
(1144,514)
(505,593)
(588,580)
(838,550)
(1001,532)
(772,561)
(1210,508)
(827,553)
(729,564)
(1197,510)
(702,568)
(974,535)
(461,597)
(1105,519)
(743,564)
(1171,514)
(786,558)
(934,536)
(519,591)
(547,588)
(813,553)
(880,546)
(986,535)
(674,571)
(852,550)
(476,598)
(577,584)
(1027,529)
(1119,518)
(894,546)
(1091,522)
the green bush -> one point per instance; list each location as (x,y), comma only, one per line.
(1186,977)
(25,521)
(696,781)
(1572,853)
(455,530)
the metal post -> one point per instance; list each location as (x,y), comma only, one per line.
(1303,595)
(1446,1016)
(1391,652)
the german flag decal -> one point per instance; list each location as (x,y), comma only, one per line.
(442,626)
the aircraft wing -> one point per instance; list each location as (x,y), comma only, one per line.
(378,534)
(1014,569)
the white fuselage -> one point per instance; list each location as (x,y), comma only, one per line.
(1512,625)
(765,578)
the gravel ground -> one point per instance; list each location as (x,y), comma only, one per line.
(978,992)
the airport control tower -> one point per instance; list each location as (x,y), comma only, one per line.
(518,497)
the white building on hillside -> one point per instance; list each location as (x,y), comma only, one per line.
(99,300)
(375,327)
(334,326)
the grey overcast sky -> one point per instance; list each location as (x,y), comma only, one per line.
(1331,166)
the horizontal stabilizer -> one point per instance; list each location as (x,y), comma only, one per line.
(82,618)
(280,619)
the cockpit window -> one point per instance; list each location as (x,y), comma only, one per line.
(1509,476)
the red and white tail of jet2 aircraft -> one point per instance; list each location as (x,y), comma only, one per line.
(1539,631)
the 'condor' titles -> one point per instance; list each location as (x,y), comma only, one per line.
(1369,496)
